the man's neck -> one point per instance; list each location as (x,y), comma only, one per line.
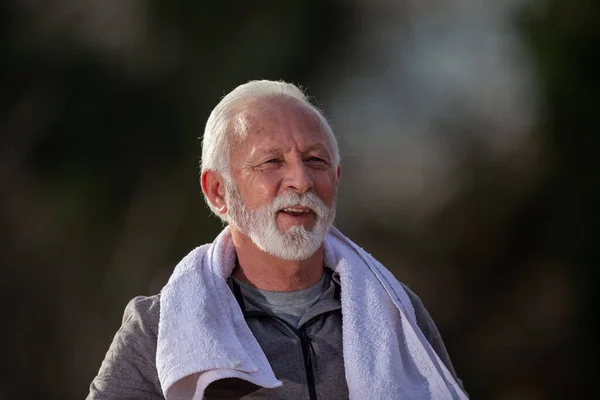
(267,272)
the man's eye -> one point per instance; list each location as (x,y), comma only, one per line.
(315,159)
(272,161)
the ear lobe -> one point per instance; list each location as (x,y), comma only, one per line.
(214,190)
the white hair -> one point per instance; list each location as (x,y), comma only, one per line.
(223,125)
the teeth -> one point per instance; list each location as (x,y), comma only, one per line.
(295,210)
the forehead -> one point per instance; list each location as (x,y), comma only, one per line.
(283,121)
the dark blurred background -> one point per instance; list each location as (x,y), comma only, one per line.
(469,142)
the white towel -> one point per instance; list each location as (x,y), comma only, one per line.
(203,336)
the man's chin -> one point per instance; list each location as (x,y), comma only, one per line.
(295,228)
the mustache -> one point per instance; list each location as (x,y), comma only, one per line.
(309,200)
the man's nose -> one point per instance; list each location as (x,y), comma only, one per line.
(297,177)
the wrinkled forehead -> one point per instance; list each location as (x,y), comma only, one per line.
(269,114)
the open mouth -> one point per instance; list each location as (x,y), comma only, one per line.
(296,211)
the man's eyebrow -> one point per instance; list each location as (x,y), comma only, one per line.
(317,146)
(267,151)
(276,151)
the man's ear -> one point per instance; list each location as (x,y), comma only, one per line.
(213,188)
(339,172)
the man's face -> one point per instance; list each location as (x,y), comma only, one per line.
(284,183)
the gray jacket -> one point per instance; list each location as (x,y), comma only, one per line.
(307,359)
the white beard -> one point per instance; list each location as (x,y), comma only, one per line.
(295,244)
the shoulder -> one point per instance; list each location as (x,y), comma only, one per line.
(139,329)
(424,320)
(128,369)
(430,331)
(412,295)
(143,311)
(416,302)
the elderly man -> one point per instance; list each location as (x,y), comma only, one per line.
(281,305)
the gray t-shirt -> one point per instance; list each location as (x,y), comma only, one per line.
(289,306)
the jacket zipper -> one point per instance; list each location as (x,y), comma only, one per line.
(306,349)
(308,367)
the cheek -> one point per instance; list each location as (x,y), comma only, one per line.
(325,184)
(260,191)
